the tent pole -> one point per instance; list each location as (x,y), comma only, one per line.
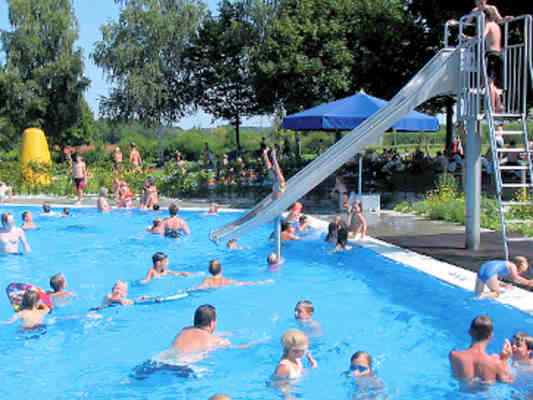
(360,178)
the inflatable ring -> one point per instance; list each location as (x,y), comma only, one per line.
(15,292)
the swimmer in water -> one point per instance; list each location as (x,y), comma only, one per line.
(118,295)
(47,209)
(295,346)
(27,221)
(303,313)
(217,280)
(160,268)
(157,227)
(213,209)
(58,283)
(362,372)
(66,212)
(233,245)
(175,226)
(11,236)
(273,260)
(102,204)
(342,240)
(475,363)
(522,345)
(288,232)
(303,224)
(200,337)
(491,272)
(32,313)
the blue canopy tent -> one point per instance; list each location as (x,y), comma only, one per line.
(347,113)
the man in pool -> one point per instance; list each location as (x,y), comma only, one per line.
(475,363)
(217,280)
(160,268)
(491,272)
(11,236)
(200,337)
(175,226)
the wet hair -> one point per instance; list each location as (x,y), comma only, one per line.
(156,207)
(215,267)
(46,208)
(57,282)
(5,218)
(520,261)
(302,219)
(284,226)
(293,338)
(159,256)
(332,230)
(173,209)
(29,299)
(359,354)
(157,222)
(204,315)
(481,328)
(342,237)
(25,214)
(524,337)
(66,211)
(272,259)
(230,243)
(307,305)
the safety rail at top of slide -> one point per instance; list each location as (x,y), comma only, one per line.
(438,77)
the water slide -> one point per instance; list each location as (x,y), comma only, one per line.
(440,76)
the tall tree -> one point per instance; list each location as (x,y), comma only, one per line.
(42,81)
(142,55)
(220,61)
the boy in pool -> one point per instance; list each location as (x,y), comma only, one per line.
(233,245)
(295,346)
(491,272)
(288,232)
(160,268)
(66,212)
(217,280)
(58,283)
(303,313)
(32,313)
(157,227)
(362,372)
(118,295)
(522,345)
(46,208)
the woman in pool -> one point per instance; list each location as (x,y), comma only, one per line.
(27,221)
(491,272)
(11,236)
(295,346)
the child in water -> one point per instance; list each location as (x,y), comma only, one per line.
(295,346)
(32,312)
(58,283)
(303,313)
(160,268)
(118,295)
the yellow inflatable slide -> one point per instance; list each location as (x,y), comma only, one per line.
(34,149)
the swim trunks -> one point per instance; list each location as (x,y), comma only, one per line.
(493,268)
(172,233)
(495,68)
(80,183)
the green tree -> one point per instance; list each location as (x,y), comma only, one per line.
(220,62)
(42,81)
(142,56)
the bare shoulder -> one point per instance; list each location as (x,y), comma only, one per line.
(282,370)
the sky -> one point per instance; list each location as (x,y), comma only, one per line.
(91,15)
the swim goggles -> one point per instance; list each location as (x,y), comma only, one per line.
(362,369)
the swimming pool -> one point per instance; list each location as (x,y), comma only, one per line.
(405,319)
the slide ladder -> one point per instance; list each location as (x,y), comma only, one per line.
(510,147)
(440,76)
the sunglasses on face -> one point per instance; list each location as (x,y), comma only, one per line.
(362,369)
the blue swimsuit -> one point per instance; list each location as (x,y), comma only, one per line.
(493,268)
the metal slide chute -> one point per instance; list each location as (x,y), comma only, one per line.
(440,76)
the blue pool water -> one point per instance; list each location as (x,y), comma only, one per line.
(406,320)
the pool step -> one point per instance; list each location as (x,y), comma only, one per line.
(520,239)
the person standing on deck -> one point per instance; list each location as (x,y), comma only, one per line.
(135,157)
(80,176)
